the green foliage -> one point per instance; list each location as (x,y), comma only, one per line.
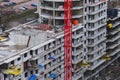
(16,16)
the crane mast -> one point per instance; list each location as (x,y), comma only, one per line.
(67,40)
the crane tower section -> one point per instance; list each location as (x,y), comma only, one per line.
(67,40)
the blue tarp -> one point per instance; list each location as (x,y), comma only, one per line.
(53,75)
(40,66)
(33,77)
(52,58)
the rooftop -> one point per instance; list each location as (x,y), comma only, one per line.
(20,39)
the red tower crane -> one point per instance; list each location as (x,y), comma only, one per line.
(67,40)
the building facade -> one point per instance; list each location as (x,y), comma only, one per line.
(95,25)
(39,54)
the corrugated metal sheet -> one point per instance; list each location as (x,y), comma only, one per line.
(20,39)
(28,37)
(37,39)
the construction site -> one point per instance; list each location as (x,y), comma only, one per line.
(71,40)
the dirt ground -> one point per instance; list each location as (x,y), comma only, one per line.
(112,72)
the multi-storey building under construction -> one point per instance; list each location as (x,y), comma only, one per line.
(35,50)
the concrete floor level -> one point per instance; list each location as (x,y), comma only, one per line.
(36,49)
